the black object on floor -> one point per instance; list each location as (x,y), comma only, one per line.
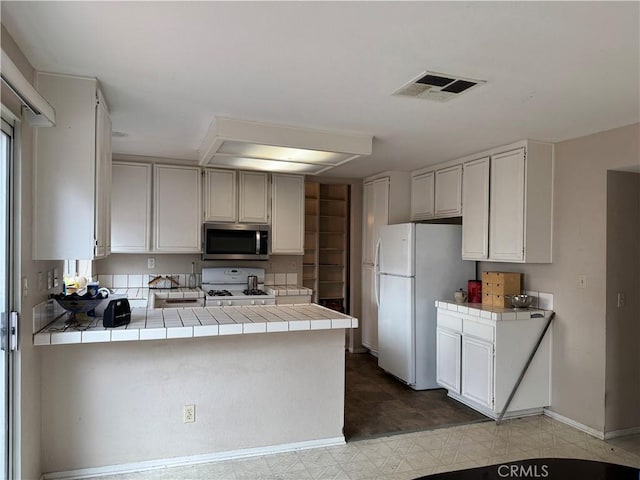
(377,404)
(545,468)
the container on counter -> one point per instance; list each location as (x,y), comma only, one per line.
(474,287)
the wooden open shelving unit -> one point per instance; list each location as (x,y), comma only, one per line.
(326,257)
(311,237)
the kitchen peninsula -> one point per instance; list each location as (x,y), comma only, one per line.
(262,379)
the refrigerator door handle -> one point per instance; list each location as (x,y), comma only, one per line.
(376,273)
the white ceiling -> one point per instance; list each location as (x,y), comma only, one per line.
(554,70)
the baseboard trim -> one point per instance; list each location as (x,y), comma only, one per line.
(494,415)
(191,459)
(621,433)
(572,423)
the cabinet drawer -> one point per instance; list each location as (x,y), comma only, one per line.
(476,329)
(448,321)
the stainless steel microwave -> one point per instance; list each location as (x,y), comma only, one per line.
(235,242)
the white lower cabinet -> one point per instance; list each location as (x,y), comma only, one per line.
(448,359)
(479,360)
(177,209)
(369,309)
(477,370)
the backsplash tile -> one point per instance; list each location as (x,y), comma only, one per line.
(545,301)
(280,278)
(269,279)
(292,278)
(135,281)
(534,304)
(120,281)
(44,313)
(105,280)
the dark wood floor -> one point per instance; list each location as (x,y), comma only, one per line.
(377,404)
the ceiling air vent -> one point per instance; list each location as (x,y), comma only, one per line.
(440,87)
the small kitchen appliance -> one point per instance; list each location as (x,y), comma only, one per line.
(229,286)
(474,287)
(117,313)
(235,242)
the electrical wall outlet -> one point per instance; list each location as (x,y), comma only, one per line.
(189,414)
(56,278)
(151,262)
(621,300)
(49,280)
(582,281)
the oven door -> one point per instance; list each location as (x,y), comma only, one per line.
(235,242)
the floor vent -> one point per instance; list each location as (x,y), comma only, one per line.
(440,87)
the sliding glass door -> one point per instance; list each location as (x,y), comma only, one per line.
(5,293)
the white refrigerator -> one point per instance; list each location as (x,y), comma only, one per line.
(415,264)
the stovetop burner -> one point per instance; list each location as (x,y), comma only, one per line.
(254,291)
(219,293)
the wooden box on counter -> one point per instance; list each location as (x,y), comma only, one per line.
(495,285)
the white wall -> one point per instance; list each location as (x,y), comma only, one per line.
(106,404)
(27,360)
(579,248)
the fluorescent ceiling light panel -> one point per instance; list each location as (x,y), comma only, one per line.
(278,148)
(265,165)
(271,152)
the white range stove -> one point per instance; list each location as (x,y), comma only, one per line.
(228,286)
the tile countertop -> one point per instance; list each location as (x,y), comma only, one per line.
(282,290)
(492,313)
(180,292)
(142,293)
(150,324)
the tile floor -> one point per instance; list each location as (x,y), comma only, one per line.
(377,404)
(412,455)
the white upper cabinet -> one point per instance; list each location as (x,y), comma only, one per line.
(422,196)
(436,193)
(521,199)
(508,204)
(72,172)
(475,209)
(177,209)
(254,197)
(103,179)
(448,185)
(131,207)
(376,213)
(506,221)
(287,223)
(220,195)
